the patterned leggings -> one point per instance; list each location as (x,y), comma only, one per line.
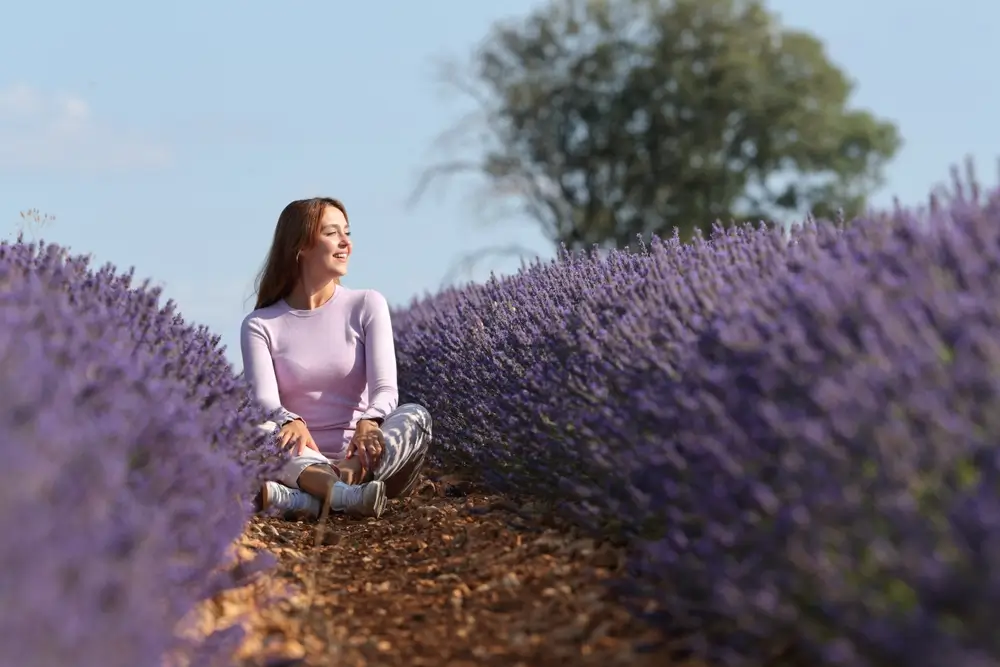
(407,434)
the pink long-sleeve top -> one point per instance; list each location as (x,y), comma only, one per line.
(331,366)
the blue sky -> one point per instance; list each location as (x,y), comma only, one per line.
(168,136)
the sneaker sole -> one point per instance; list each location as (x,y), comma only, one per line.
(380,500)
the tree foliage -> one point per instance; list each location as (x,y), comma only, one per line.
(609,120)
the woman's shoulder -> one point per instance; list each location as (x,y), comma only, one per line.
(366,304)
(365,298)
(259,318)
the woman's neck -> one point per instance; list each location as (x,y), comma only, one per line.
(307,296)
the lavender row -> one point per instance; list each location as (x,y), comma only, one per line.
(129,458)
(797,430)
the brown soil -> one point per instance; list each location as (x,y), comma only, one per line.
(437,580)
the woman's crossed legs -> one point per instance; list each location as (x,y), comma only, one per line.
(304,481)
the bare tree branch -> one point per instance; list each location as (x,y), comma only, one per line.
(469,261)
(481,128)
(438,171)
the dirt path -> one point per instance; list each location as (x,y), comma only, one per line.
(438,580)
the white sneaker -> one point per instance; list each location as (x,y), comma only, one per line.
(366,499)
(275,496)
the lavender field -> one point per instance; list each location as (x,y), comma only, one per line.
(799,430)
(796,431)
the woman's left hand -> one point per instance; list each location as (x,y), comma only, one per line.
(367,444)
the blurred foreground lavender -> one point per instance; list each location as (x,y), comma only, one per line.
(129,457)
(797,431)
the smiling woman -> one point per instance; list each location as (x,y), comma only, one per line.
(321,358)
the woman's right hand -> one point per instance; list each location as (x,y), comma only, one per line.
(295,434)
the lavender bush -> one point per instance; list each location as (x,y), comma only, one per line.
(129,459)
(797,430)
(848,420)
(470,354)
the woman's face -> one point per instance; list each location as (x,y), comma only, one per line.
(329,254)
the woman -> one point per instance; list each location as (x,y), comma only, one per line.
(321,357)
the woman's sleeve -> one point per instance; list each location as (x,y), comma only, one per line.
(259,370)
(380,358)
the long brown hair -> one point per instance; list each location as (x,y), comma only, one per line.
(297,228)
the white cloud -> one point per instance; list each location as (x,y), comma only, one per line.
(39,130)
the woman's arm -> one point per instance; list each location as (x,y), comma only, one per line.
(259,370)
(380,357)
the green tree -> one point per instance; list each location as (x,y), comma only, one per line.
(616,118)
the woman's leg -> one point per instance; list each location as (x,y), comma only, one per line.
(407,432)
(306,482)
(318,484)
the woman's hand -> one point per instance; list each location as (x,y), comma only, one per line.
(295,434)
(367,444)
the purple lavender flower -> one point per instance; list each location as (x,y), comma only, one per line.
(130,456)
(796,429)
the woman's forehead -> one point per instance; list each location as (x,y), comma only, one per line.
(333,217)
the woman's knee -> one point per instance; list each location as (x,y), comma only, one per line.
(418,413)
